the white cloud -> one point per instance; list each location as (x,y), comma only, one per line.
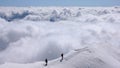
(27,41)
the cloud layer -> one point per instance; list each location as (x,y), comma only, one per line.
(24,39)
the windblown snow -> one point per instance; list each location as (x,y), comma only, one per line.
(89,37)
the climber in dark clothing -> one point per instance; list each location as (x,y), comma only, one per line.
(61,57)
(46,61)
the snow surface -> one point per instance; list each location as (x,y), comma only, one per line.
(88,36)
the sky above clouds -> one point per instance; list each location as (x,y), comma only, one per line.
(59,2)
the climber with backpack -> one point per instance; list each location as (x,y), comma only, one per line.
(46,61)
(61,57)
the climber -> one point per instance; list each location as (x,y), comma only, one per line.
(61,57)
(46,61)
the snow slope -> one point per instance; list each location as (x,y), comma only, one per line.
(92,57)
(88,36)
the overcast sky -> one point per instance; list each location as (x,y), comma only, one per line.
(59,2)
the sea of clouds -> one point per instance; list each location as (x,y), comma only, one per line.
(33,34)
